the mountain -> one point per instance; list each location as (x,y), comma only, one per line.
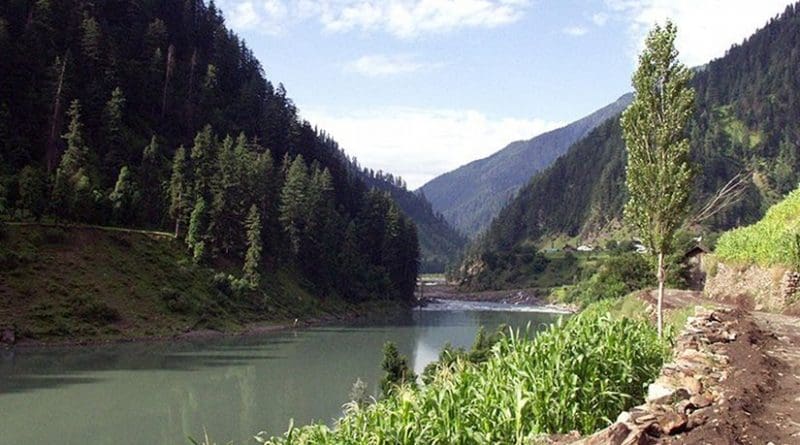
(746,120)
(470,196)
(154,115)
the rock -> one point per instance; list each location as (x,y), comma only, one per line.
(672,422)
(659,391)
(701,400)
(613,435)
(685,406)
(692,385)
(8,336)
(623,417)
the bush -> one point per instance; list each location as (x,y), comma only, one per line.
(574,376)
(95,312)
(616,277)
(176,301)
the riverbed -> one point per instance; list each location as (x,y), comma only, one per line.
(162,393)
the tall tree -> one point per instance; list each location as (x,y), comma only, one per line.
(179,189)
(195,236)
(659,176)
(124,197)
(113,131)
(252,259)
(293,210)
(72,188)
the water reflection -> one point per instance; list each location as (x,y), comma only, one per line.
(161,393)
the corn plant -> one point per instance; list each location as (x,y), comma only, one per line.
(576,375)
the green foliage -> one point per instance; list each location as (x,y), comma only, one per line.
(396,370)
(72,192)
(124,198)
(32,186)
(771,241)
(195,236)
(252,260)
(577,375)
(480,352)
(616,277)
(658,174)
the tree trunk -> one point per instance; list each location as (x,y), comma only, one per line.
(661,276)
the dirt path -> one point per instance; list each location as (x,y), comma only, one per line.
(759,398)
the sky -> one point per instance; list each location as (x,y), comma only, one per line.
(420,87)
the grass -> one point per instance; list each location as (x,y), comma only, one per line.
(576,375)
(775,240)
(86,283)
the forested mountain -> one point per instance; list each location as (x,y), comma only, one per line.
(746,120)
(440,244)
(470,196)
(152,114)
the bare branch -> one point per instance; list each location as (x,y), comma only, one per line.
(729,194)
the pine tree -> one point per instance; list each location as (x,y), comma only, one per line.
(124,197)
(179,190)
(195,236)
(293,210)
(151,170)
(252,259)
(113,130)
(32,187)
(659,177)
(72,188)
(90,38)
(395,368)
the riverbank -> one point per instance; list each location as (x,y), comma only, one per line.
(437,288)
(85,285)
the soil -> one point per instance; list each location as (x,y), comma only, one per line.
(760,399)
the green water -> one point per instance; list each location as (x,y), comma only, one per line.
(235,387)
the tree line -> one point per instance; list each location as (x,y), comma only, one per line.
(152,114)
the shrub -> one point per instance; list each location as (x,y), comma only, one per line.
(616,277)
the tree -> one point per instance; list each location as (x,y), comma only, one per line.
(179,191)
(195,236)
(113,132)
(659,177)
(90,38)
(32,191)
(72,189)
(293,210)
(396,370)
(124,197)
(252,259)
(151,172)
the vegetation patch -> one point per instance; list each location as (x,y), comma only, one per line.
(775,240)
(576,375)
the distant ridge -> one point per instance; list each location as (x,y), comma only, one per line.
(472,195)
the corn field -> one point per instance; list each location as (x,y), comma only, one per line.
(775,240)
(576,375)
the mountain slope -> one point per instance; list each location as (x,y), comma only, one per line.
(745,121)
(470,196)
(153,114)
(440,244)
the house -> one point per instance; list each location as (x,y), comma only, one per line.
(693,259)
(585,248)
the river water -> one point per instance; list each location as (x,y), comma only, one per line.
(159,393)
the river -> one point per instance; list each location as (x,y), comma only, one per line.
(233,387)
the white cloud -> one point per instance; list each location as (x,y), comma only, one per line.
(379,65)
(575,31)
(706,29)
(419,144)
(600,19)
(401,18)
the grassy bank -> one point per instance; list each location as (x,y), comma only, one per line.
(775,240)
(91,284)
(577,375)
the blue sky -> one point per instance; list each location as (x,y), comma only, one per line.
(419,87)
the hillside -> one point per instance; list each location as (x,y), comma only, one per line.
(96,284)
(471,196)
(440,244)
(155,115)
(745,121)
